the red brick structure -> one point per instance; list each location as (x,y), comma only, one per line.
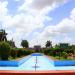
(69,72)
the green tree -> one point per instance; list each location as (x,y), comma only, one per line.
(24,43)
(57,50)
(4,50)
(12,44)
(72,49)
(48,44)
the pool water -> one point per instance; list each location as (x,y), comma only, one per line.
(38,62)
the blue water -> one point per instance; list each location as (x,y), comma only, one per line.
(38,62)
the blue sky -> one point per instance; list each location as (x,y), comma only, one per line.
(38,20)
(62,12)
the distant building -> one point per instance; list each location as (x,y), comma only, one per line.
(37,48)
(64,45)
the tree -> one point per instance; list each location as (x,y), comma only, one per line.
(12,44)
(72,49)
(48,44)
(3,35)
(24,43)
(4,50)
(58,50)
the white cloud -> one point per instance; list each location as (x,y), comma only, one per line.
(31,16)
(73,14)
(26,23)
(16,0)
(3,9)
(66,25)
(63,28)
(40,4)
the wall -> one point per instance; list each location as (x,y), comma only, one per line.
(14,62)
(51,72)
(64,63)
(8,63)
(36,54)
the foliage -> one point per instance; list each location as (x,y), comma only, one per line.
(23,52)
(24,43)
(4,50)
(19,52)
(64,54)
(48,44)
(13,53)
(12,44)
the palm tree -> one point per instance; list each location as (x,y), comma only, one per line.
(48,44)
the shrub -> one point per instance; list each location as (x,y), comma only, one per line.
(27,52)
(46,51)
(19,52)
(64,55)
(23,52)
(13,53)
(4,50)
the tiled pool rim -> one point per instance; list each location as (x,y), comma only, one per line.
(24,59)
(18,62)
(14,63)
(68,72)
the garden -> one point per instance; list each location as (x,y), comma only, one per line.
(8,50)
(62,51)
(9,53)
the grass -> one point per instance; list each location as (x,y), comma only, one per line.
(16,58)
(60,58)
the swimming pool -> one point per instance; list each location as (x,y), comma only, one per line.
(36,62)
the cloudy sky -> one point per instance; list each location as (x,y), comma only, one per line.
(38,20)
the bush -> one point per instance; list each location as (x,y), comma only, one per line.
(47,51)
(23,52)
(13,53)
(4,50)
(19,52)
(64,55)
(26,52)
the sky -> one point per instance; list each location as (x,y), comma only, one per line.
(38,21)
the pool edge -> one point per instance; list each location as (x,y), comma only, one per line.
(49,72)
